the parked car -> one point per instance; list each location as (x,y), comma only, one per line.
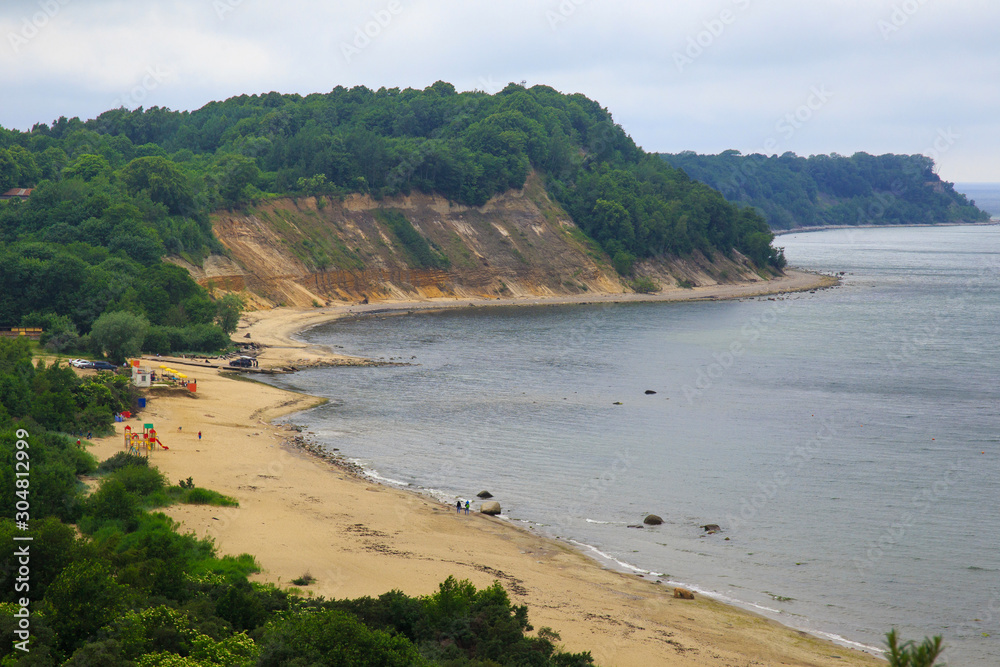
(103,366)
(242,362)
(80,363)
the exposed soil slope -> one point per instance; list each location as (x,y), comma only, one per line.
(308,251)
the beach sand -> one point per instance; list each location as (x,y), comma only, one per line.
(300,514)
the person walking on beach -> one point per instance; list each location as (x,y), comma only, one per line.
(458,506)
(466,506)
(199,435)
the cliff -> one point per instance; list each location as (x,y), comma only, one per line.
(308,251)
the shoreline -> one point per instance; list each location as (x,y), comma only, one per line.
(821,228)
(301,513)
(277,330)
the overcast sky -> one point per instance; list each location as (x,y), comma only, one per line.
(881,76)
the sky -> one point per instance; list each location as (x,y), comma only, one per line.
(811,77)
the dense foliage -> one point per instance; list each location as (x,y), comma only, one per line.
(863,189)
(89,241)
(174,167)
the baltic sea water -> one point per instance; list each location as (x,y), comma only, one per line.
(846,441)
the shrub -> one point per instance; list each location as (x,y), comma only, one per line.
(645,286)
(140,480)
(121,460)
(909,654)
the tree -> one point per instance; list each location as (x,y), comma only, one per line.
(162,180)
(82,599)
(909,654)
(227,314)
(119,334)
(333,638)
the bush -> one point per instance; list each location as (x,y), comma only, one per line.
(195,495)
(645,286)
(333,638)
(121,460)
(909,654)
(140,480)
(112,502)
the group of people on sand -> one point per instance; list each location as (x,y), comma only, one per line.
(458,506)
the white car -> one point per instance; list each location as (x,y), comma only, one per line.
(80,363)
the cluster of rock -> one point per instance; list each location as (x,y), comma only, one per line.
(320,452)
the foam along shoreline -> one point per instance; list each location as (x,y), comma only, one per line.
(623,567)
(278,330)
(300,513)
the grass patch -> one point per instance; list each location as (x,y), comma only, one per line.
(418,252)
(189,494)
(304,580)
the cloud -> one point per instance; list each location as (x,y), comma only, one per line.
(899,69)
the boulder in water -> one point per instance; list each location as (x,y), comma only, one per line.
(492,508)
(650,391)
(484,494)
(711,528)
(652,520)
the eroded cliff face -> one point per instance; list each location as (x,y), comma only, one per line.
(308,251)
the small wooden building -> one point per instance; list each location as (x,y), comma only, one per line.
(34,333)
(16,193)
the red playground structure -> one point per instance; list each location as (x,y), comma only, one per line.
(142,443)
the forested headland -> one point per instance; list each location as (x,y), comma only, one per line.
(792,191)
(115,194)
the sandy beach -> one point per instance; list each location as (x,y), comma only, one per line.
(300,514)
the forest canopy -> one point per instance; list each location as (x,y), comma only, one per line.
(165,171)
(792,191)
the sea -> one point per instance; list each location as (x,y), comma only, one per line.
(845,441)
(985,195)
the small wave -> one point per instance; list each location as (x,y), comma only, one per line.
(384,480)
(606,523)
(620,563)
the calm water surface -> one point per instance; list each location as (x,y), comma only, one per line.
(846,441)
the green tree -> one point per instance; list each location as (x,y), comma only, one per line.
(162,180)
(82,599)
(910,654)
(333,638)
(119,334)
(228,310)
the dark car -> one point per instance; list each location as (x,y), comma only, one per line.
(243,362)
(103,366)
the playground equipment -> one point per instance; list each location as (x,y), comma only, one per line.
(144,443)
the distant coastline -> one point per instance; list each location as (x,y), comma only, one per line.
(820,228)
